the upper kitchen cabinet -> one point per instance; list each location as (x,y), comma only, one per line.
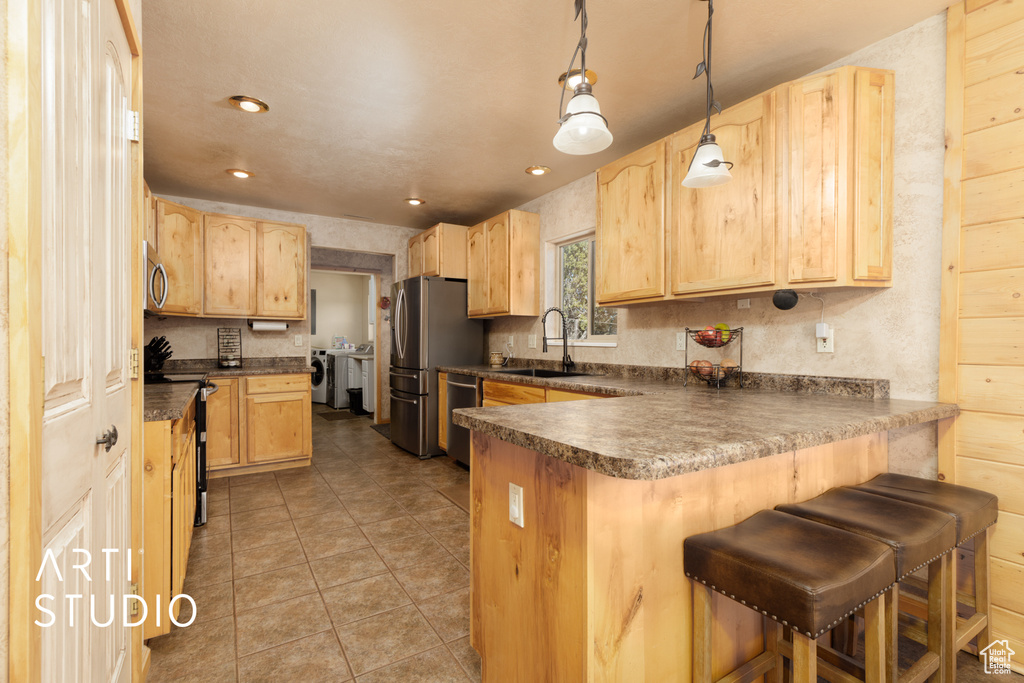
(631,227)
(280,271)
(503,266)
(179,239)
(837,222)
(439,251)
(724,237)
(231,250)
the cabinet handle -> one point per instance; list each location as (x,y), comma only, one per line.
(109,438)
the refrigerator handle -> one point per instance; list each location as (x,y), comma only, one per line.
(400,313)
(403,400)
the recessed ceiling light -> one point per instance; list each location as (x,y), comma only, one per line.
(249,104)
(538,170)
(239,173)
(574,79)
(415,201)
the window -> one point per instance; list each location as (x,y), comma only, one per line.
(575,268)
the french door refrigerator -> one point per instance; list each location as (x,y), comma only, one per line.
(429,327)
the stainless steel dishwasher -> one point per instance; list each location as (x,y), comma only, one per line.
(463,392)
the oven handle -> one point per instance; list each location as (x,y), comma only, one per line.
(403,400)
(209,390)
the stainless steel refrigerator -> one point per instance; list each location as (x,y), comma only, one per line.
(429,327)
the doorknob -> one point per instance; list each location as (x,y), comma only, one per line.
(108,439)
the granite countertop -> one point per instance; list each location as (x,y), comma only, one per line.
(658,428)
(250,366)
(167,401)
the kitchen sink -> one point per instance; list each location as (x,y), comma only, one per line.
(541,372)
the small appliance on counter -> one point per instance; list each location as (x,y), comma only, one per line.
(229,347)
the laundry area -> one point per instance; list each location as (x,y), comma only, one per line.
(342,322)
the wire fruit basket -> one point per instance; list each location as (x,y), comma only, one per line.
(711,372)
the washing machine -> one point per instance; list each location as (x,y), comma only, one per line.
(319,378)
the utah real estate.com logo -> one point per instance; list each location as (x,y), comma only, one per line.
(71,606)
(997,657)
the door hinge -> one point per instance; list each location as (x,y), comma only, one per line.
(134,588)
(133,364)
(133,125)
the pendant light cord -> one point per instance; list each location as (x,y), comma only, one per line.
(707,68)
(581,49)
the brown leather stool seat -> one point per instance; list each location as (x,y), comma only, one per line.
(919,536)
(802,574)
(975,512)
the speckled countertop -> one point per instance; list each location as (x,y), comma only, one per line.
(168,401)
(658,428)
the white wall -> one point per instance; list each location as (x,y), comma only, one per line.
(886,334)
(340,307)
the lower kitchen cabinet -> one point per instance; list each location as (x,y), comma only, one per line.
(169,488)
(511,394)
(259,423)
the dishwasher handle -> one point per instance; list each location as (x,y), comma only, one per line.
(460,384)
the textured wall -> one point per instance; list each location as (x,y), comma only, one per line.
(193,335)
(888,334)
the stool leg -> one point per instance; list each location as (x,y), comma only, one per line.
(982,598)
(940,640)
(892,634)
(876,641)
(772,637)
(701,633)
(805,659)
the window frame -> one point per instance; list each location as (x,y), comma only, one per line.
(595,340)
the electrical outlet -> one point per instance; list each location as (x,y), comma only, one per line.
(532,341)
(511,340)
(515,504)
(680,341)
(826,344)
(743,303)
(298,340)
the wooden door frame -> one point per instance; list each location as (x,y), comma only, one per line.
(25,359)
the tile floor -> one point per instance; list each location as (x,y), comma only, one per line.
(353,568)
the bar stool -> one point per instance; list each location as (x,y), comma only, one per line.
(975,512)
(919,536)
(801,574)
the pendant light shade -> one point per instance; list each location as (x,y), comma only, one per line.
(583,129)
(708,166)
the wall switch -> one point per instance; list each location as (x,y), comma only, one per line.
(743,303)
(680,341)
(532,341)
(511,340)
(298,340)
(825,338)
(515,504)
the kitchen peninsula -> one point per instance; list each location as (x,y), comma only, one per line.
(591,587)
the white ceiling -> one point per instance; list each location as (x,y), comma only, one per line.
(373,101)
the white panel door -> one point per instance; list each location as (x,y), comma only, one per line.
(86,310)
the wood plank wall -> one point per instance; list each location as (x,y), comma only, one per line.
(982,352)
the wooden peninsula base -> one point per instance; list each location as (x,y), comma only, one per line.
(592,587)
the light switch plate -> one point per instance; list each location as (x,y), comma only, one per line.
(298,340)
(511,340)
(515,504)
(532,341)
(743,303)
(680,341)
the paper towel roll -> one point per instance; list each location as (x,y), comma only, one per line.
(268,326)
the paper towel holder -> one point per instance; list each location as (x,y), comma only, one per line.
(275,322)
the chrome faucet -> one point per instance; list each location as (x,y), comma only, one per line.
(567,363)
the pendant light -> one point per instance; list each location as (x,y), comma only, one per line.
(708,166)
(582,130)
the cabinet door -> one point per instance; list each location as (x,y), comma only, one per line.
(630,260)
(222,444)
(498,265)
(179,236)
(280,270)
(416,256)
(183,510)
(724,237)
(476,269)
(817,135)
(278,426)
(150,203)
(230,266)
(873,192)
(431,241)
